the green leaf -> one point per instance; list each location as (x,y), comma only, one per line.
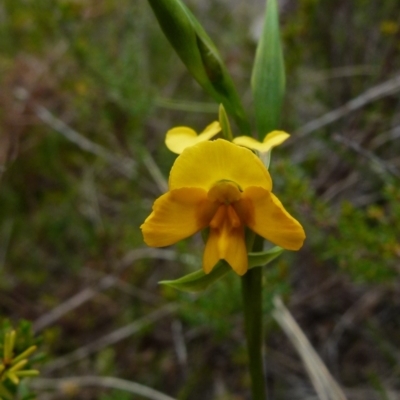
(199,281)
(199,54)
(268,77)
(260,259)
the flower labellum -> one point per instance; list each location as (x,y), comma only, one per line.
(227,188)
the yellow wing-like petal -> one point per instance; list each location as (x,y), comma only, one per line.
(181,137)
(265,215)
(249,142)
(207,163)
(273,139)
(177,215)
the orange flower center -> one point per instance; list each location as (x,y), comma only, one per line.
(226,193)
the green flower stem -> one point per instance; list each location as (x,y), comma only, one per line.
(252,308)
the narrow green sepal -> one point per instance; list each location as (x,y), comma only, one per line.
(199,281)
(199,54)
(262,258)
(268,76)
(224,122)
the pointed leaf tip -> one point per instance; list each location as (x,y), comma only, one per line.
(199,281)
(268,76)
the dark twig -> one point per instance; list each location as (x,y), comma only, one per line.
(103,284)
(383,166)
(375,93)
(111,338)
(74,383)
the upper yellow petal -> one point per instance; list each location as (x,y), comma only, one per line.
(265,215)
(177,215)
(181,137)
(206,163)
(272,139)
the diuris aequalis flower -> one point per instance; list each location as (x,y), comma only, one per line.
(224,187)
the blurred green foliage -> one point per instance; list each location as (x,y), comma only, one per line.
(24,335)
(24,339)
(116,394)
(367,242)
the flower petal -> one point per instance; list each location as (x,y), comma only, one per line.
(206,163)
(249,142)
(235,250)
(176,215)
(273,139)
(265,215)
(181,137)
(211,253)
(227,243)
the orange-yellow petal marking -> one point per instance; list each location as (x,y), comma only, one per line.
(224,187)
(226,242)
(272,139)
(226,238)
(181,137)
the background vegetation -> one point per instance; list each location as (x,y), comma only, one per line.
(88,90)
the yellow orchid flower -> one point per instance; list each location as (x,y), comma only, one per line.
(181,137)
(272,139)
(225,187)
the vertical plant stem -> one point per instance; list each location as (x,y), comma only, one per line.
(252,308)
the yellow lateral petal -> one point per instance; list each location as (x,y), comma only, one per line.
(177,215)
(206,163)
(266,216)
(273,139)
(211,130)
(248,142)
(181,137)
(177,139)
